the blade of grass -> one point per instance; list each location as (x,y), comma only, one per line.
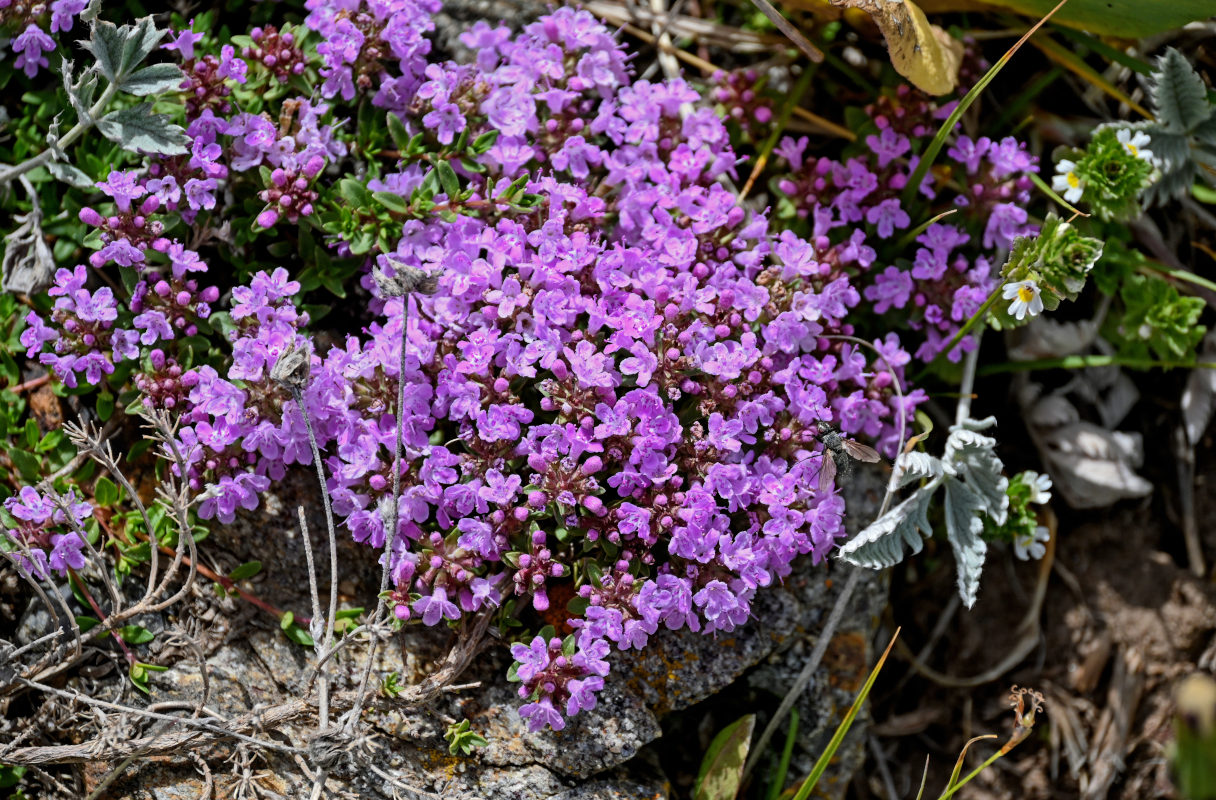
(1073,63)
(910,237)
(1081,362)
(924,776)
(826,756)
(1181,274)
(791,102)
(930,155)
(1103,49)
(787,27)
(777,783)
(958,764)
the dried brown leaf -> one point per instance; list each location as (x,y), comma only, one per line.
(924,54)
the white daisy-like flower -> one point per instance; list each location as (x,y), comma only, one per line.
(1067,182)
(1032,546)
(1040,486)
(1025,297)
(1135,144)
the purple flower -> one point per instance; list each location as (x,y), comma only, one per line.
(29,47)
(184,42)
(66,553)
(888,146)
(888,215)
(123,187)
(542,714)
(63,13)
(435,607)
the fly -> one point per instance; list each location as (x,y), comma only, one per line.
(844,452)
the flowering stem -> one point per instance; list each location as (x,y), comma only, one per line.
(78,130)
(391,537)
(1080,362)
(963,331)
(1050,192)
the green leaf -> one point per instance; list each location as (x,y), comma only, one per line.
(134,634)
(1179,96)
(139,130)
(105,401)
(354,193)
(246,570)
(393,202)
(448,179)
(105,492)
(722,768)
(298,635)
(86,623)
(396,129)
(152,79)
(28,464)
(1128,19)
(106,44)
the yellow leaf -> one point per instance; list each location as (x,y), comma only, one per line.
(924,54)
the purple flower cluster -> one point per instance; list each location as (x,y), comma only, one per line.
(624,382)
(954,269)
(361,38)
(278,51)
(39,543)
(28,24)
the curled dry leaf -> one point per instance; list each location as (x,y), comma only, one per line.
(1047,338)
(924,54)
(1092,467)
(1197,398)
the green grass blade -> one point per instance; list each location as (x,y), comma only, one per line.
(830,751)
(783,767)
(930,155)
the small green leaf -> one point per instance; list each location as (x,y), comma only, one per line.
(448,179)
(28,464)
(87,623)
(393,202)
(298,635)
(722,768)
(134,634)
(246,570)
(105,492)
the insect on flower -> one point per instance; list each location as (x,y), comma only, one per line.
(843,451)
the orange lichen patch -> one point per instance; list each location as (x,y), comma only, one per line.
(845,660)
(665,681)
(560,593)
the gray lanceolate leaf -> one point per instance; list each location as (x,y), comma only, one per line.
(139,130)
(974,484)
(69,175)
(152,79)
(881,543)
(963,527)
(119,51)
(1179,95)
(971,454)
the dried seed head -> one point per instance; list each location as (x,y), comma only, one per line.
(292,369)
(405,280)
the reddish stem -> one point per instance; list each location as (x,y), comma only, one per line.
(30,384)
(84,590)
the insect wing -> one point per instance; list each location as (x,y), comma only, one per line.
(827,473)
(860,451)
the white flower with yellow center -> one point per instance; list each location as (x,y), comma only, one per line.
(1067,182)
(1135,144)
(1025,297)
(1032,546)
